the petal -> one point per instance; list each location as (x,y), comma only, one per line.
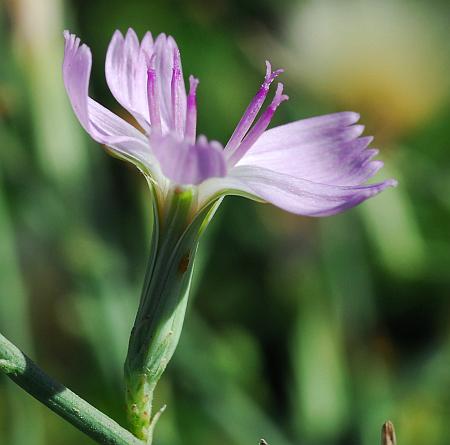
(119,135)
(126,72)
(185,163)
(103,125)
(325,149)
(289,193)
(164,50)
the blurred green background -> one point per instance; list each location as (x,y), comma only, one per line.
(301,331)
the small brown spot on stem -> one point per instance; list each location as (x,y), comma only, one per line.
(184,263)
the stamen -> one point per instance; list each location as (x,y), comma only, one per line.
(259,128)
(177,118)
(191,110)
(252,110)
(153,98)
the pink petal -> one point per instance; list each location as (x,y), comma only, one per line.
(126,72)
(105,127)
(164,49)
(185,163)
(289,193)
(325,149)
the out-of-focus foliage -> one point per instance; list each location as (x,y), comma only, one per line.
(300,331)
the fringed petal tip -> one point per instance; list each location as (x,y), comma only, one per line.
(126,72)
(351,117)
(72,42)
(76,72)
(390,182)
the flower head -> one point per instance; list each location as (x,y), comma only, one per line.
(316,167)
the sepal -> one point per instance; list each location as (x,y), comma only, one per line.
(164,298)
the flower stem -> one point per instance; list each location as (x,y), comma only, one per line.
(83,416)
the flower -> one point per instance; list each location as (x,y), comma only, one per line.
(316,167)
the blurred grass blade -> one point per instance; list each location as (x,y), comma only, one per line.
(39,42)
(320,390)
(14,319)
(221,398)
(396,234)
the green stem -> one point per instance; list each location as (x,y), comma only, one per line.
(19,368)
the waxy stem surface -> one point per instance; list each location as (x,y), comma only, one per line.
(23,371)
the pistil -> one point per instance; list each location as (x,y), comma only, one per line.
(252,110)
(259,128)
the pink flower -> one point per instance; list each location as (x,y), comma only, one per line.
(316,167)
